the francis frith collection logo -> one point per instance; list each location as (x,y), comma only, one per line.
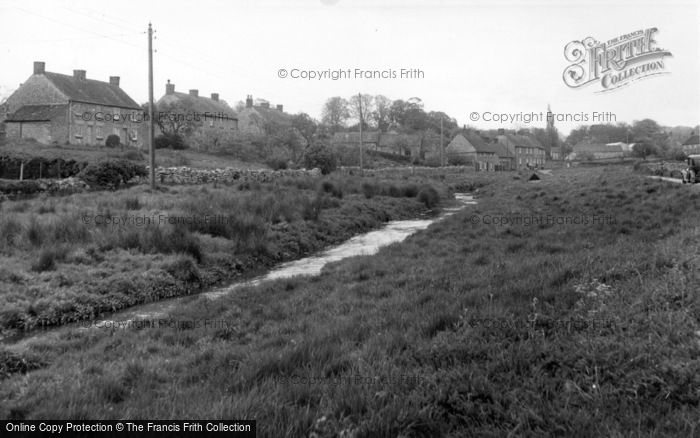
(614,63)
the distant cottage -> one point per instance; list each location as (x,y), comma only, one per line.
(470,148)
(202,113)
(61,109)
(585,150)
(525,149)
(408,145)
(259,119)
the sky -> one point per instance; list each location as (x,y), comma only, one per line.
(468,57)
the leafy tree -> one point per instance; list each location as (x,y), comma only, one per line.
(172,118)
(408,114)
(306,126)
(335,113)
(319,155)
(643,150)
(577,135)
(380,115)
(649,132)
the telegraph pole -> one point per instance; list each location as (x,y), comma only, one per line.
(359,102)
(442,160)
(151,133)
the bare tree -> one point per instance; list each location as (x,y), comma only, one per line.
(367,109)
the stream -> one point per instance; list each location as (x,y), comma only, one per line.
(361,245)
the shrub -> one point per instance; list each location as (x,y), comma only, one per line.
(332,189)
(172,141)
(111,173)
(410,191)
(277,163)
(369,190)
(311,209)
(184,269)
(10,231)
(320,156)
(11,363)
(132,203)
(429,196)
(46,261)
(112,141)
(394,191)
(133,155)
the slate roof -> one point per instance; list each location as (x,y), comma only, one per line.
(199,104)
(390,139)
(91,91)
(480,145)
(502,151)
(38,113)
(524,141)
(273,115)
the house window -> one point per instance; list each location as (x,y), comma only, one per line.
(116,113)
(79,131)
(98,133)
(134,135)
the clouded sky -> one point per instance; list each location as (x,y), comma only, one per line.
(502,57)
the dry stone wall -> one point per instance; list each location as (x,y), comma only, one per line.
(188,175)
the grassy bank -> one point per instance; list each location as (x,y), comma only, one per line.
(479,326)
(71,258)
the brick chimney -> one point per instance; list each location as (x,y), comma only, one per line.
(79,74)
(39,67)
(114,81)
(501,131)
(194,93)
(280,107)
(249,101)
(215,97)
(169,88)
(265,104)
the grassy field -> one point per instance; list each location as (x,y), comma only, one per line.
(71,258)
(28,149)
(583,322)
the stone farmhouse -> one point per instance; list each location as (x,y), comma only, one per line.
(470,148)
(54,108)
(177,109)
(260,119)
